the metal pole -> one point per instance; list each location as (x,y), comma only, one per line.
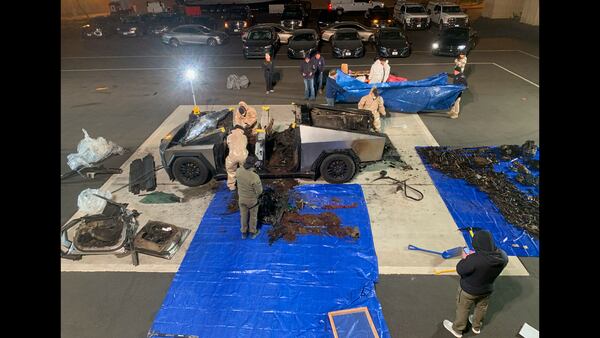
(193,95)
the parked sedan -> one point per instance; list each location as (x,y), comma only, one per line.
(193,35)
(452,41)
(346,43)
(283,33)
(304,42)
(99,27)
(391,42)
(158,23)
(366,34)
(259,41)
(131,26)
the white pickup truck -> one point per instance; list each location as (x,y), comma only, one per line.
(411,15)
(447,14)
(342,6)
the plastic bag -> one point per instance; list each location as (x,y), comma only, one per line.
(244,82)
(233,82)
(91,150)
(89,203)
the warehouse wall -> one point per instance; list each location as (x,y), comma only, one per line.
(502,9)
(78,8)
(531,12)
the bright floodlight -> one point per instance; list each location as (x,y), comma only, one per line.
(190,74)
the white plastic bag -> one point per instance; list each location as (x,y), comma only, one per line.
(89,203)
(90,150)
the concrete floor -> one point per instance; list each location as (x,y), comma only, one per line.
(137,101)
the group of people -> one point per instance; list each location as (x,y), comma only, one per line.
(477,269)
(312,69)
(240,167)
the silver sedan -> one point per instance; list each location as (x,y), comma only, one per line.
(193,35)
(284,33)
(366,34)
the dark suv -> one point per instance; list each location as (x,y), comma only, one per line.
(236,19)
(293,16)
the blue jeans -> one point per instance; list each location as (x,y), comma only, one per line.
(330,101)
(309,89)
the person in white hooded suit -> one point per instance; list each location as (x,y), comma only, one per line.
(380,71)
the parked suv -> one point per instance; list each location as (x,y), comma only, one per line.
(293,16)
(447,14)
(411,15)
(236,19)
(259,41)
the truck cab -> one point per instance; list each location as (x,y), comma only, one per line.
(341,6)
(411,15)
(447,14)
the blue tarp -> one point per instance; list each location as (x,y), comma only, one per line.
(471,207)
(432,93)
(229,287)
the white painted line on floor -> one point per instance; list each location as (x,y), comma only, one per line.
(430,139)
(533,56)
(258,67)
(517,75)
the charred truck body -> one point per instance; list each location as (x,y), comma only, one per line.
(323,142)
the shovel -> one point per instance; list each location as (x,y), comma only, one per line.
(454,252)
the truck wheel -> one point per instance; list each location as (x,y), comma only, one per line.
(337,168)
(190,171)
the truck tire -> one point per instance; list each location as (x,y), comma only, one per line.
(190,171)
(337,168)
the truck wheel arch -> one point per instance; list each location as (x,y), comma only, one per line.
(316,167)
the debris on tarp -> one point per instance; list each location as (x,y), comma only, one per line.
(293,224)
(92,150)
(476,167)
(159,197)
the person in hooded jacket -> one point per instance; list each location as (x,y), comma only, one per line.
(373,102)
(245,116)
(478,271)
(380,71)
(237,143)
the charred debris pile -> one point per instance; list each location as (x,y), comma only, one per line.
(280,207)
(476,167)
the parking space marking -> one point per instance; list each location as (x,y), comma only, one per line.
(517,75)
(188,55)
(294,67)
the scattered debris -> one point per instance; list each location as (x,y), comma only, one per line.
(160,239)
(293,224)
(401,186)
(517,207)
(142,175)
(91,151)
(159,197)
(339,206)
(89,202)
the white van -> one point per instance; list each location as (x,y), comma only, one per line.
(353,5)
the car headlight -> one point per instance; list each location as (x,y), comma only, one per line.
(461,47)
(337,49)
(226,24)
(267,47)
(407,20)
(245,47)
(299,23)
(383,49)
(376,21)
(86,26)
(435,45)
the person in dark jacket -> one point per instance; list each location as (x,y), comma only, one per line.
(307,69)
(332,88)
(478,271)
(319,64)
(459,79)
(268,70)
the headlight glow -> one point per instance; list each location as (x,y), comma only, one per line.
(132,29)
(461,47)
(86,26)
(436,45)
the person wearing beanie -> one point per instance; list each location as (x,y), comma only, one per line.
(249,189)
(459,79)
(478,270)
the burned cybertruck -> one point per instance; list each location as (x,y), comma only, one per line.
(323,142)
